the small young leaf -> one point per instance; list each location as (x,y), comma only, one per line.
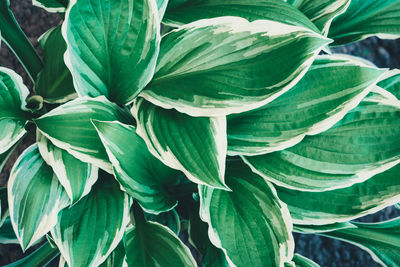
(69,127)
(54,82)
(34,197)
(114,53)
(227,65)
(364,18)
(76,177)
(365,142)
(90,230)
(195,145)
(251,225)
(140,174)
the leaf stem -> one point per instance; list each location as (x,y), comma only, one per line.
(17,41)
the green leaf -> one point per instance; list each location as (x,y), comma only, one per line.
(183,12)
(301,261)
(365,142)
(140,174)
(6,155)
(381,240)
(34,197)
(195,145)
(162,5)
(90,230)
(38,258)
(318,229)
(54,82)
(227,65)
(76,177)
(7,235)
(344,204)
(391,82)
(364,18)
(250,224)
(69,127)
(169,219)
(198,238)
(332,87)
(152,244)
(58,6)
(4,212)
(115,52)
(13,114)
(116,258)
(322,12)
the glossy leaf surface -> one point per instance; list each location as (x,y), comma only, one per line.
(228,65)
(115,52)
(69,127)
(34,197)
(332,87)
(365,142)
(344,204)
(195,145)
(364,18)
(76,177)
(140,174)
(90,230)
(250,224)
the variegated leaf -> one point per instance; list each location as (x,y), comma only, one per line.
(114,53)
(90,230)
(364,18)
(76,177)
(13,114)
(195,145)
(251,225)
(34,197)
(69,127)
(52,5)
(391,82)
(364,143)
(332,87)
(227,65)
(186,11)
(140,174)
(344,204)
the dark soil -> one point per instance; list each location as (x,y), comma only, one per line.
(327,252)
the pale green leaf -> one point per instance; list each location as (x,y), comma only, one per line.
(250,224)
(34,197)
(365,142)
(344,204)
(318,229)
(381,240)
(301,261)
(322,12)
(195,145)
(183,12)
(227,65)
(90,230)
(152,244)
(76,177)
(332,87)
(162,5)
(69,127)
(112,46)
(51,5)
(391,82)
(54,82)
(364,18)
(13,114)
(140,174)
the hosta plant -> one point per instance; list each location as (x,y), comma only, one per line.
(199,132)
